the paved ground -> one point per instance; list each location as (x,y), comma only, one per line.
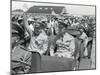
(85,64)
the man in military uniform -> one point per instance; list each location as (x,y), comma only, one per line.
(65,46)
(39,38)
(64,42)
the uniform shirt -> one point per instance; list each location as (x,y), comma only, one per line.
(85,38)
(66,46)
(39,44)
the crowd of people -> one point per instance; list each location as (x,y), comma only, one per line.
(61,36)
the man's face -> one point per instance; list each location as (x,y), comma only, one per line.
(37,31)
(61,27)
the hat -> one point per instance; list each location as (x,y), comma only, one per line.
(40,25)
(56,18)
(66,19)
(62,24)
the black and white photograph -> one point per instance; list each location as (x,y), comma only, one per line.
(52,37)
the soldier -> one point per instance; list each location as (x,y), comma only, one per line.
(38,40)
(65,46)
(64,42)
(85,40)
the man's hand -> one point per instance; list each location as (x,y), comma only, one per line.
(26,25)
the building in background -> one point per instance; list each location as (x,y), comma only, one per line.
(46,10)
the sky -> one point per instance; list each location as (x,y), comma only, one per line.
(71,9)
